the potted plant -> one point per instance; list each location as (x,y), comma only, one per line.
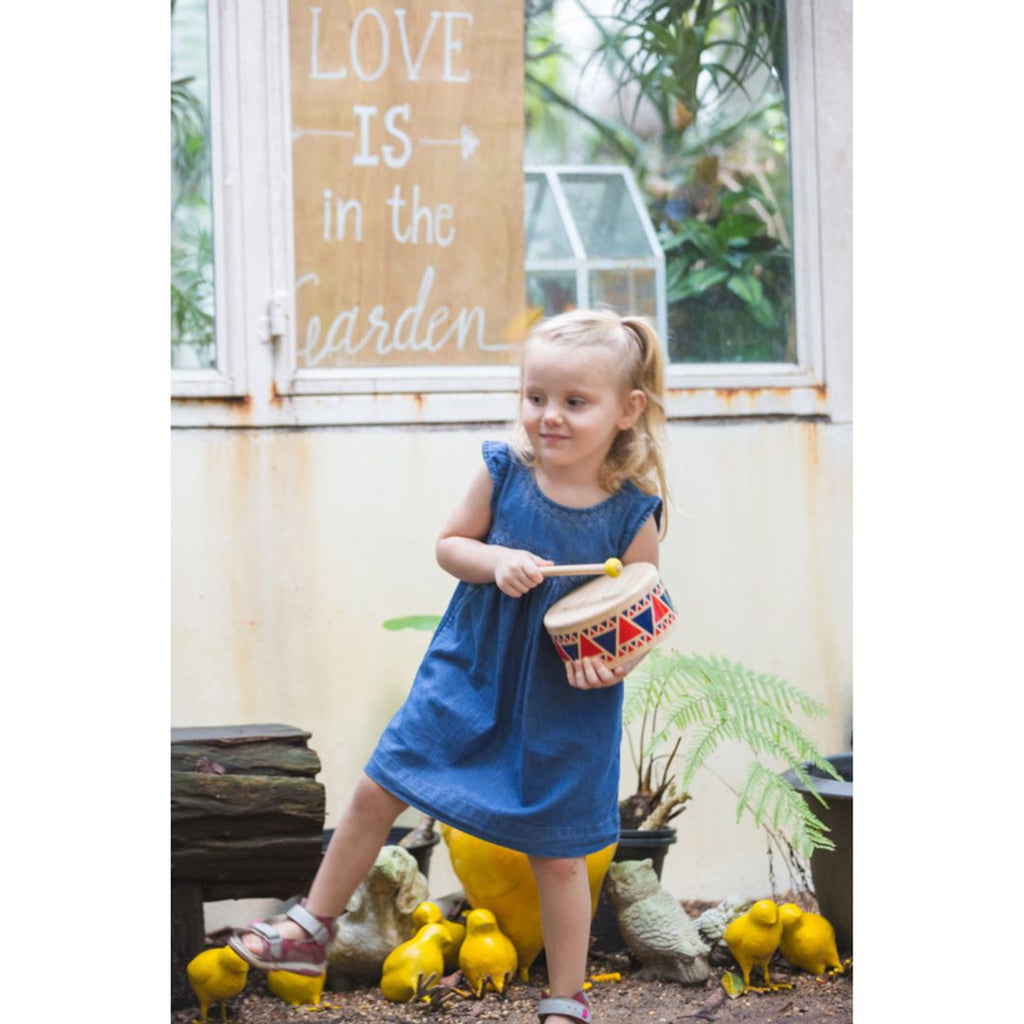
(699,703)
(679,709)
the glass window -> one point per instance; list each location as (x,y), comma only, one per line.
(692,97)
(589,240)
(193,344)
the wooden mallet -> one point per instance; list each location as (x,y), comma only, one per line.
(611,567)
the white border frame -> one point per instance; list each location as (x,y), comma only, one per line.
(228,377)
(254,260)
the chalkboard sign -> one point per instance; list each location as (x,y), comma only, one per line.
(407,160)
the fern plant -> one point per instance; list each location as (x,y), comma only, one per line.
(705,702)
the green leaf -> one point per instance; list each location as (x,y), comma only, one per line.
(736,228)
(733,984)
(747,287)
(698,281)
(425,622)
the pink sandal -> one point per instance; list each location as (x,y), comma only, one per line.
(300,956)
(578,1008)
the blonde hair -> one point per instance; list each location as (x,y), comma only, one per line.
(636,351)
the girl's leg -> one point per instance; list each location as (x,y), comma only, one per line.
(565,919)
(362,830)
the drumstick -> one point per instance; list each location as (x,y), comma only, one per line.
(612,567)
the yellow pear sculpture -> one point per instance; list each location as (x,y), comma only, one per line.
(500,880)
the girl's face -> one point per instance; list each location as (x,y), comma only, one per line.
(573,405)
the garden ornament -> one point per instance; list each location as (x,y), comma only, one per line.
(430,913)
(379,918)
(808,941)
(216,975)
(487,958)
(500,880)
(753,939)
(296,989)
(414,967)
(658,932)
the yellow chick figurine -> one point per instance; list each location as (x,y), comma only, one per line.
(430,913)
(216,975)
(500,880)
(406,973)
(808,941)
(296,989)
(753,938)
(487,958)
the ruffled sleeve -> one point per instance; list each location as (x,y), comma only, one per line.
(498,459)
(642,507)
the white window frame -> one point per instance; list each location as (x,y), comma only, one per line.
(255,383)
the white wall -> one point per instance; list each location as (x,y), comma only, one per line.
(291,547)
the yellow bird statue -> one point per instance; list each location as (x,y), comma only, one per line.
(430,913)
(414,967)
(487,958)
(808,941)
(216,975)
(500,880)
(753,938)
(296,989)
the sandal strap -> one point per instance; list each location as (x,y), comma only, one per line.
(270,935)
(314,925)
(578,1008)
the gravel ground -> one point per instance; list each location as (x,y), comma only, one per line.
(627,1001)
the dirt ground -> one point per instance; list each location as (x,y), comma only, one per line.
(627,1001)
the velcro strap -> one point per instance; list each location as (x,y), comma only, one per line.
(304,919)
(271,934)
(563,1007)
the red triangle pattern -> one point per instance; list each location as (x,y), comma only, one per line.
(660,610)
(589,649)
(628,631)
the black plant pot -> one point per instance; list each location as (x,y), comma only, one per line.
(832,870)
(633,845)
(421,852)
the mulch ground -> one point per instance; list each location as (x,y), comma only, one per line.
(627,1001)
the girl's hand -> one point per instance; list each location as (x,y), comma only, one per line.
(516,572)
(593,674)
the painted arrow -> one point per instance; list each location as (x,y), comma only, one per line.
(467,140)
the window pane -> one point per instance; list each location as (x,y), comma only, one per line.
(552,291)
(603,210)
(192,306)
(692,97)
(545,237)
(626,291)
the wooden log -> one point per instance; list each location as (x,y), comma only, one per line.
(245,750)
(187,939)
(215,860)
(240,806)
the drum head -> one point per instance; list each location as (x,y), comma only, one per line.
(602,597)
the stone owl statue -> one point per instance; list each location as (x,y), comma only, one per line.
(658,932)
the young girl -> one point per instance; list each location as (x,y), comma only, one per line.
(498,737)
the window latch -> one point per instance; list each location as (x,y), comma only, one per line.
(275,323)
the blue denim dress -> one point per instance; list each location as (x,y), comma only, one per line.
(492,739)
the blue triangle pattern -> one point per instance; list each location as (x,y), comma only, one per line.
(645,620)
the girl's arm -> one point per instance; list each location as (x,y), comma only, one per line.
(462,552)
(592,673)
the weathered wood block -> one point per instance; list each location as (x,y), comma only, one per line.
(247,820)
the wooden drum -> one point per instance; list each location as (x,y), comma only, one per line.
(614,618)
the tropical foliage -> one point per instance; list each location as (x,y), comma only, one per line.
(690,95)
(192,297)
(698,704)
